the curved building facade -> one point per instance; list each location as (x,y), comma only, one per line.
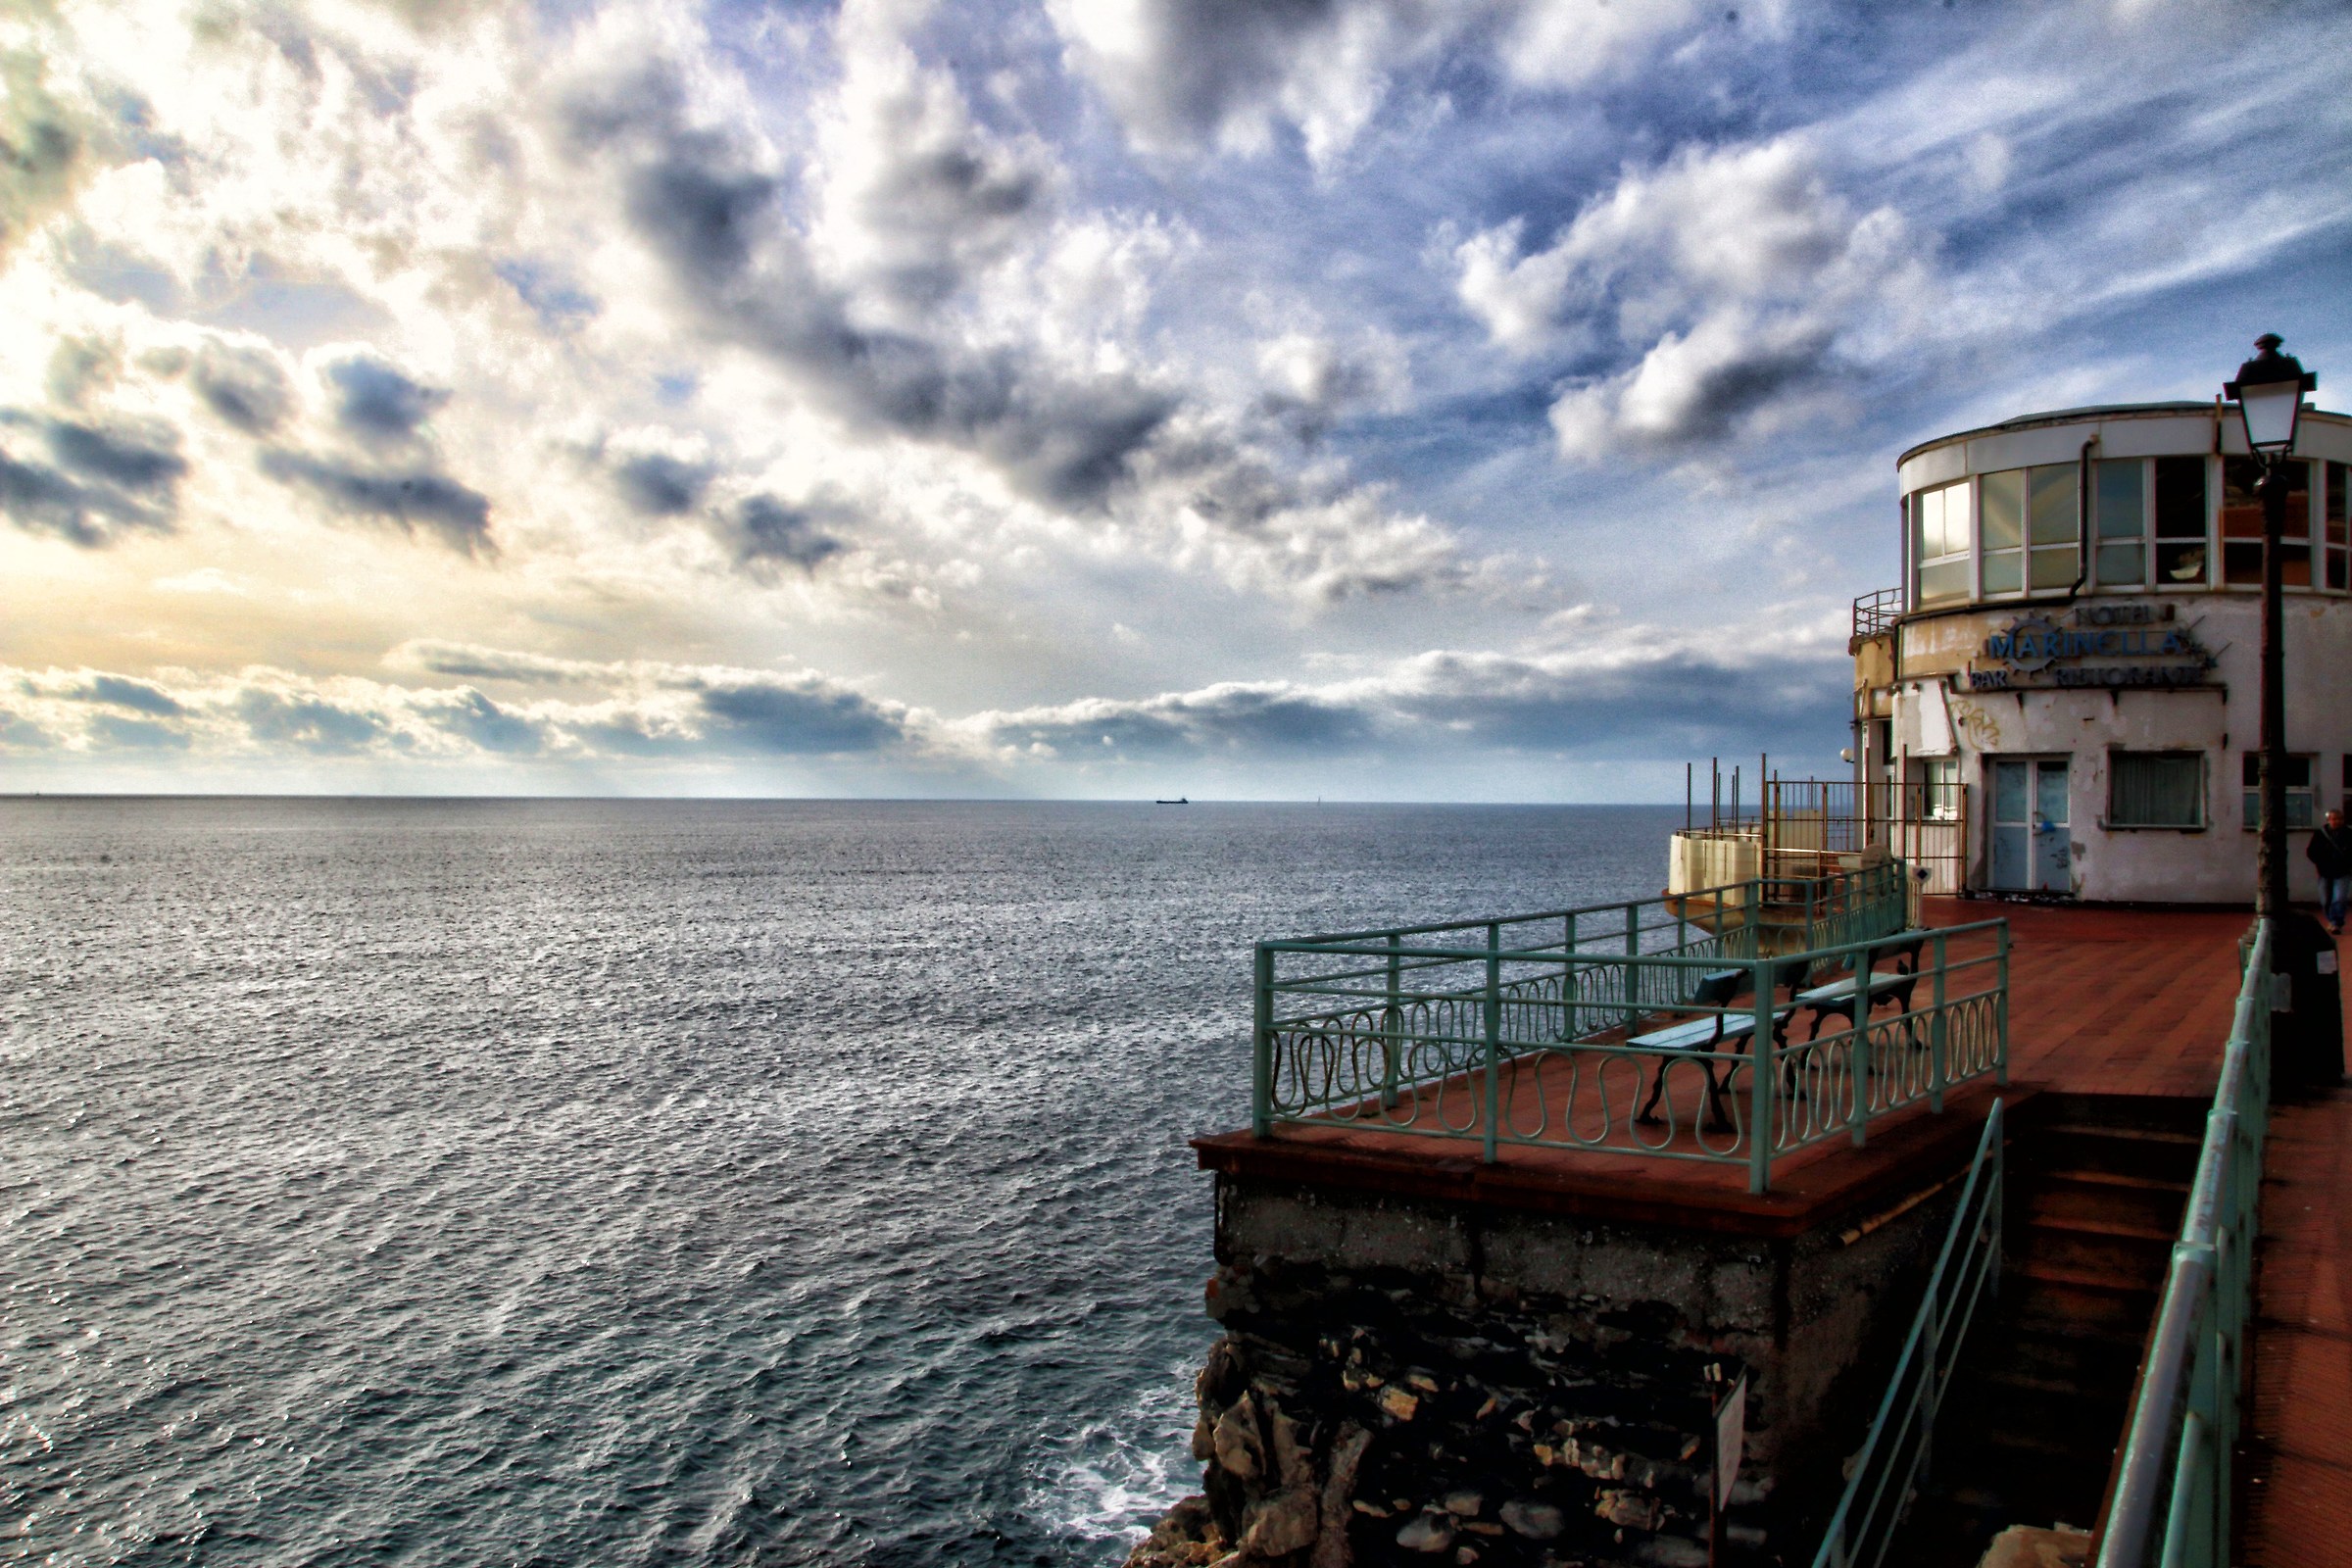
(2070,673)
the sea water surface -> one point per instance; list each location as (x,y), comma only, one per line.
(657,1182)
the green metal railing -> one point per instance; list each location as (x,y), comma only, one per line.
(2173,1486)
(1896,1451)
(1543,1030)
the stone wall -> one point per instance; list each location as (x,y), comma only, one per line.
(1405,1381)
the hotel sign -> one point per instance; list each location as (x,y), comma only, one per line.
(2101,647)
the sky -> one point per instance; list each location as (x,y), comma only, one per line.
(1480,400)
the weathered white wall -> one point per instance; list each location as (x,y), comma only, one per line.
(2213,865)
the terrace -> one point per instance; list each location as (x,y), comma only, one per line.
(1684,1048)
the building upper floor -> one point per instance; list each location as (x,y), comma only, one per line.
(2129,499)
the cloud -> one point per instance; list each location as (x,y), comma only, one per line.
(1245,717)
(476,718)
(135,734)
(139,696)
(763,531)
(471,661)
(104,478)
(46,147)
(305,722)
(244,385)
(1721,284)
(452,512)
(803,716)
(660,485)
(1184,74)
(377,402)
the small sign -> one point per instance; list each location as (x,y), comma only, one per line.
(1730,1436)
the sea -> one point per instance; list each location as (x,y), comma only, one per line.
(593,1182)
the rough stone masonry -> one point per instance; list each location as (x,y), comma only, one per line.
(1409,1381)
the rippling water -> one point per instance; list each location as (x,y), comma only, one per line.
(531,1182)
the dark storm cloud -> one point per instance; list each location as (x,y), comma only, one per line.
(244,387)
(120,690)
(801,718)
(764,530)
(102,480)
(379,402)
(455,513)
(660,485)
(308,723)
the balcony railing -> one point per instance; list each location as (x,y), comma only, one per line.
(1662,1028)
(1876,613)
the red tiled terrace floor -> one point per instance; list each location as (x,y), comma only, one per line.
(2297,1467)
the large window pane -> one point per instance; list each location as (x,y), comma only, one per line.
(2122,512)
(1940,532)
(2004,501)
(2180,546)
(2156,789)
(2001,507)
(2241,523)
(2053,517)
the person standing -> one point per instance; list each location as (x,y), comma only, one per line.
(2330,853)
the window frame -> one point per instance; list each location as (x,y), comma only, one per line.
(2116,755)
(2250,791)
(1965,557)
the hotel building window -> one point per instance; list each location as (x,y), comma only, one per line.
(2122,514)
(2300,774)
(1941,539)
(2181,543)
(2155,789)
(2332,530)
(2032,528)
(2242,524)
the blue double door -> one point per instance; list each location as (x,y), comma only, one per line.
(2030,836)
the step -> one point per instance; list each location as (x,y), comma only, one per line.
(2113,1178)
(2137,1262)
(2120,1229)
(2156,1209)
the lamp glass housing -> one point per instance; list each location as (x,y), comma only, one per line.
(2269,410)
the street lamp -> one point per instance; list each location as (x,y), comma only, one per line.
(2269,394)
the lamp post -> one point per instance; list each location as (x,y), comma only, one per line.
(2269,394)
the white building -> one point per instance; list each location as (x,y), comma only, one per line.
(2069,674)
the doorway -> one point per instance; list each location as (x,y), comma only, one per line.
(2028,825)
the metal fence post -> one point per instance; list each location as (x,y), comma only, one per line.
(2001,1007)
(1493,1031)
(1938,1036)
(1392,1022)
(1262,1077)
(1759,1128)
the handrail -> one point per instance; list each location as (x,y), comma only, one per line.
(1897,1449)
(2172,1484)
(1621,1036)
